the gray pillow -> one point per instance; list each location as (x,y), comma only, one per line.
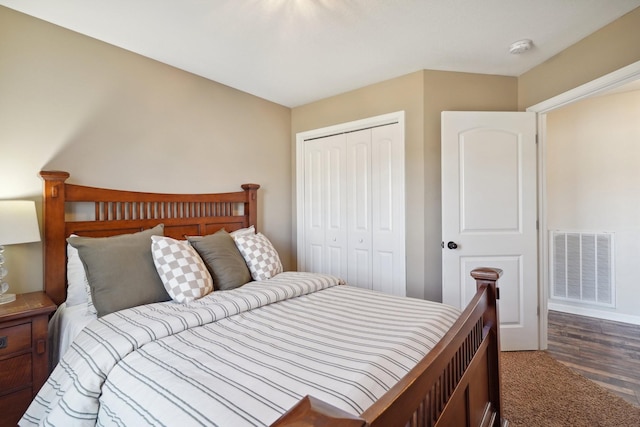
(120,270)
(223,259)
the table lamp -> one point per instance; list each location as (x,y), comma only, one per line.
(18,224)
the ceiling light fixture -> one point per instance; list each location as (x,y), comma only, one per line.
(520,46)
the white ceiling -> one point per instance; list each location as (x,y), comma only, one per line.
(293,52)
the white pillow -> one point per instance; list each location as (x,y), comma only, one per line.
(76,279)
(91,309)
(78,289)
(182,271)
(260,255)
(243,231)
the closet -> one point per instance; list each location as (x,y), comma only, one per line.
(351,203)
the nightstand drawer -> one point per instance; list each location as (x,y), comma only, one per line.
(24,363)
(15,372)
(13,406)
(15,338)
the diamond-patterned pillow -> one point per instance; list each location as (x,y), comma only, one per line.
(182,271)
(260,255)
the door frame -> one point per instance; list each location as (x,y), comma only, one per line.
(301,137)
(602,84)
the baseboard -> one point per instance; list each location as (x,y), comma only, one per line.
(590,312)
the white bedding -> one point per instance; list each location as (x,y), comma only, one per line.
(64,327)
(240,357)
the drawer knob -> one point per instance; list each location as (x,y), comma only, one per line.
(41,346)
(4,342)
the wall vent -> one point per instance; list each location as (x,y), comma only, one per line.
(582,267)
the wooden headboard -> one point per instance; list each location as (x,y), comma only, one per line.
(120,212)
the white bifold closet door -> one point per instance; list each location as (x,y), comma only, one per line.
(354,207)
(325,206)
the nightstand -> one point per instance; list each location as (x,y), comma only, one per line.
(24,355)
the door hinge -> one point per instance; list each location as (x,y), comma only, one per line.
(538,311)
(537,224)
(536,138)
(497,293)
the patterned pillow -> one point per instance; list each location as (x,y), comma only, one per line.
(182,271)
(260,255)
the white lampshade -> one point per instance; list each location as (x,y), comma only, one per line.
(18,222)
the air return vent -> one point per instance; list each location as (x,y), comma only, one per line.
(582,267)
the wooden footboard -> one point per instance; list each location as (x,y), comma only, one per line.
(456,384)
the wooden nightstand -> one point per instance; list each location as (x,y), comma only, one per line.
(24,356)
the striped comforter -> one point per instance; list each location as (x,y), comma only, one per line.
(241,357)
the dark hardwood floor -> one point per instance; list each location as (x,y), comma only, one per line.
(604,351)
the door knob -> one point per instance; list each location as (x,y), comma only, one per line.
(452,245)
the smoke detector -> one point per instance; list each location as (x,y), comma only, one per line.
(520,46)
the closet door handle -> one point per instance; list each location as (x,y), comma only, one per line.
(452,245)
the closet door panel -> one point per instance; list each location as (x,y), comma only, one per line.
(359,208)
(387,219)
(360,268)
(315,206)
(335,212)
(382,272)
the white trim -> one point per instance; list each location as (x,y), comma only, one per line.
(592,312)
(543,236)
(301,137)
(383,119)
(609,81)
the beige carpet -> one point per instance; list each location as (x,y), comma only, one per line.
(539,391)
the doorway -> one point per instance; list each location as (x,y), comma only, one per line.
(608,82)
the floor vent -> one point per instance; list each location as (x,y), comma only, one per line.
(582,267)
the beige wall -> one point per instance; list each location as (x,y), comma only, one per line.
(609,49)
(112,118)
(423,96)
(593,180)
(116,119)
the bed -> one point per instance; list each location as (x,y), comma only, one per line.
(266,358)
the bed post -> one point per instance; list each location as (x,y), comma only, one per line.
(251,205)
(488,277)
(53,197)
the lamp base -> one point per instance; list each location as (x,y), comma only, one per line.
(7,298)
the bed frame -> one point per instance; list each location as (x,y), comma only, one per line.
(456,384)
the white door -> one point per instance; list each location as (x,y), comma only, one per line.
(489,215)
